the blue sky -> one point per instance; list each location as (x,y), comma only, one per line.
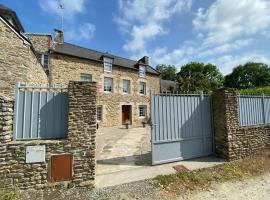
(223,32)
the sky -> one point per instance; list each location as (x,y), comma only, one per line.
(222,32)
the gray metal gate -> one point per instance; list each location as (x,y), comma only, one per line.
(40,112)
(181,127)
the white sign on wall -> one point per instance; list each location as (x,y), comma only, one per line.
(35,154)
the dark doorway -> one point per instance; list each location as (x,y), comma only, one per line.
(126,114)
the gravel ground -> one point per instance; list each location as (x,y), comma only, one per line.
(257,188)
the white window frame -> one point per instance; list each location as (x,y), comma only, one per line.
(127,91)
(105,87)
(144,91)
(142,111)
(41,58)
(142,71)
(86,77)
(107,64)
(100,108)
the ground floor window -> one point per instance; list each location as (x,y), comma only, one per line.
(142,111)
(99,113)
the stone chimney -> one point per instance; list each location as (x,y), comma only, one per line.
(58,36)
(144,60)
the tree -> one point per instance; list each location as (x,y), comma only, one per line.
(194,77)
(250,75)
(168,72)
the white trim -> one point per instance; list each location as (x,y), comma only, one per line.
(24,41)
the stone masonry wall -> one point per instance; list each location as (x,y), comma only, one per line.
(17,62)
(233,141)
(80,143)
(41,42)
(65,68)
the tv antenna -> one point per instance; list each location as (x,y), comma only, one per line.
(61,8)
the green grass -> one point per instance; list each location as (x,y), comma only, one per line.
(9,194)
(186,182)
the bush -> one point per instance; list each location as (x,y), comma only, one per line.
(263,90)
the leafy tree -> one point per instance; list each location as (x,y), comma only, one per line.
(194,77)
(168,72)
(250,75)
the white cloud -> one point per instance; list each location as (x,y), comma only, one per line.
(226,20)
(71,7)
(82,32)
(227,62)
(144,20)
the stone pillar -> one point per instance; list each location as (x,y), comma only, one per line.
(82,130)
(226,122)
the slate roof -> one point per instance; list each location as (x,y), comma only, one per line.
(7,11)
(81,52)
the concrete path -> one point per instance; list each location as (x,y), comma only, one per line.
(148,172)
(121,149)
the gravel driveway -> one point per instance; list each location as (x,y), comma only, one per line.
(257,188)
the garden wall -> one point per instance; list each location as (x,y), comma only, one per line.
(233,141)
(79,144)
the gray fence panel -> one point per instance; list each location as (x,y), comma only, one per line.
(182,127)
(40,114)
(253,110)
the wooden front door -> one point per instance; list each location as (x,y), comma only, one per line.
(126,114)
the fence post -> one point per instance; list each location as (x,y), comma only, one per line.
(263,109)
(203,131)
(17,90)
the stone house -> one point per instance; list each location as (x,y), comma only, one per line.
(123,85)
(18,61)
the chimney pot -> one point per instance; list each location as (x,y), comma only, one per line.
(145,60)
(58,36)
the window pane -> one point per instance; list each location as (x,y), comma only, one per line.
(107,84)
(142,72)
(40,58)
(142,111)
(126,86)
(86,77)
(107,64)
(46,61)
(99,113)
(142,88)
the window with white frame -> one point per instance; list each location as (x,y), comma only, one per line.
(142,72)
(108,84)
(86,77)
(107,62)
(142,88)
(44,60)
(142,111)
(126,86)
(99,113)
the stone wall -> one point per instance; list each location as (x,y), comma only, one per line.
(41,42)
(64,68)
(80,143)
(233,141)
(18,62)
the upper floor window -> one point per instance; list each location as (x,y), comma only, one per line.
(108,84)
(126,86)
(142,88)
(108,62)
(44,60)
(142,72)
(86,77)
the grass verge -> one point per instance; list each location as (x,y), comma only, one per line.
(190,181)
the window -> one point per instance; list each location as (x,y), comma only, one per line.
(99,113)
(126,86)
(142,72)
(142,88)
(142,111)
(86,77)
(108,84)
(44,60)
(107,64)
